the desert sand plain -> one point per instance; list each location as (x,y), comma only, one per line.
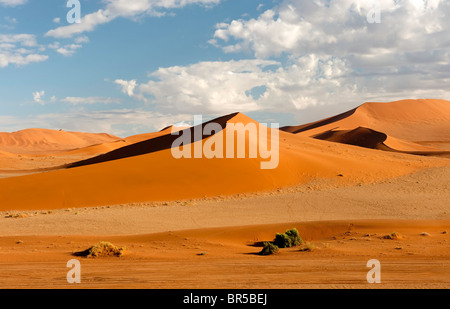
(344,182)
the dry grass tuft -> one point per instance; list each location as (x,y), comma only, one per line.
(307,247)
(102,248)
(394,236)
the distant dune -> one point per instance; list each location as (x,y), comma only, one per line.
(35,141)
(411,126)
(55,149)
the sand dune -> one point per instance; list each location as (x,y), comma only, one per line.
(36,141)
(147,171)
(33,158)
(413,126)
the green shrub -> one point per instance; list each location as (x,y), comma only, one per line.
(289,239)
(294,236)
(269,248)
(282,241)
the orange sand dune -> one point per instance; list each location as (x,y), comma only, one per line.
(34,158)
(147,171)
(407,126)
(35,141)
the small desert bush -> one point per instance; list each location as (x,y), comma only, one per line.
(269,248)
(393,236)
(16,216)
(308,247)
(290,238)
(102,248)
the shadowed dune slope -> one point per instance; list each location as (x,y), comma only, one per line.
(158,142)
(360,136)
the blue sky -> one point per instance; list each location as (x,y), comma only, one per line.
(137,66)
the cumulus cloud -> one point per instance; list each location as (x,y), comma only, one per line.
(90,100)
(12,2)
(338,28)
(37,97)
(120,122)
(247,85)
(213,87)
(127,86)
(123,8)
(68,50)
(406,55)
(314,54)
(19,49)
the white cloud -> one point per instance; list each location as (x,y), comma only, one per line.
(335,56)
(68,50)
(127,86)
(10,24)
(339,28)
(120,122)
(249,85)
(56,20)
(19,49)
(207,87)
(318,78)
(81,39)
(12,2)
(90,100)
(37,97)
(123,8)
